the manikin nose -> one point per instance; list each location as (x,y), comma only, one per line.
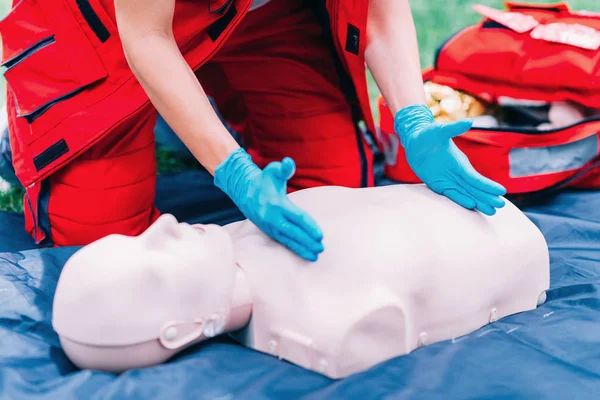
(165,226)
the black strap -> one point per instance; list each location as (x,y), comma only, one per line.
(536,7)
(353,39)
(220,9)
(489,24)
(50,155)
(219,26)
(93,20)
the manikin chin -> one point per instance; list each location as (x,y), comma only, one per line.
(403,267)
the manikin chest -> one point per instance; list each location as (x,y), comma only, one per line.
(402,267)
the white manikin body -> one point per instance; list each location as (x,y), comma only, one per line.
(402,267)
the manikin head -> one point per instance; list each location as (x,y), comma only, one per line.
(130,302)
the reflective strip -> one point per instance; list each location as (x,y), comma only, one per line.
(258,3)
(391,144)
(531,161)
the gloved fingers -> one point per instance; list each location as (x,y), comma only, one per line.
(303,220)
(300,250)
(479,205)
(460,198)
(483,197)
(453,129)
(485,209)
(289,230)
(470,201)
(475,179)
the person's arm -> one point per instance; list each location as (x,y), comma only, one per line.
(145,28)
(392,53)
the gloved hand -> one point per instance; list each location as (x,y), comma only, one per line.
(261,195)
(436,160)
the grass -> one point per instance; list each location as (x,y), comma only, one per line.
(435,21)
(11,199)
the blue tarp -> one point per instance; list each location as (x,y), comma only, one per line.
(551,352)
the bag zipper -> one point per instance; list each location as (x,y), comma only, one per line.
(531,131)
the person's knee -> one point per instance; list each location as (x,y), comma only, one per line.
(95,197)
(80,214)
(67,232)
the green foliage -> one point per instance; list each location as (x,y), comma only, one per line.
(12,200)
(167,162)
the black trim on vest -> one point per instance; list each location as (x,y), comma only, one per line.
(535,7)
(27,202)
(219,26)
(43,219)
(50,155)
(93,20)
(493,25)
(220,9)
(347,86)
(352,39)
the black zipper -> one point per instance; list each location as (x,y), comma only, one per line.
(35,114)
(534,131)
(8,64)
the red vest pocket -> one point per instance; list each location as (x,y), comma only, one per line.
(44,68)
(23,28)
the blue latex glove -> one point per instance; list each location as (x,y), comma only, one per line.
(261,195)
(436,160)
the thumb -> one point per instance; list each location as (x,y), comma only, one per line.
(287,169)
(453,129)
(283,170)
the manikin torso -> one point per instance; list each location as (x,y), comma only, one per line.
(402,267)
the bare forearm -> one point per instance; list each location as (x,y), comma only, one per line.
(392,53)
(145,27)
(179,98)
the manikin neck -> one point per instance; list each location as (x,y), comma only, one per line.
(241,306)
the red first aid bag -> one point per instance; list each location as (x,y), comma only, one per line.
(538,66)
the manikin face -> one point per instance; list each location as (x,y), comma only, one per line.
(174,283)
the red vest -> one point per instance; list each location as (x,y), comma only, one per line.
(349,25)
(68,82)
(490,61)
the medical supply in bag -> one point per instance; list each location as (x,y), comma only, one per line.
(534,99)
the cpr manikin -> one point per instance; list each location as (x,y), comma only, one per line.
(403,267)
